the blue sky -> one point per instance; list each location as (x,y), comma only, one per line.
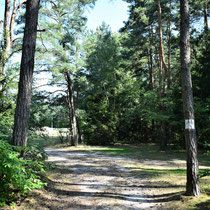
(112,12)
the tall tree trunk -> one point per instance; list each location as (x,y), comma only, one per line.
(8,31)
(80,137)
(22,111)
(169,50)
(151,77)
(162,74)
(206,27)
(206,16)
(161,50)
(72,116)
(16,9)
(80,140)
(6,38)
(192,186)
(7,27)
(162,56)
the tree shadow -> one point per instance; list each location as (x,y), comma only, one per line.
(204,205)
(161,198)
(142,186)
(52,187)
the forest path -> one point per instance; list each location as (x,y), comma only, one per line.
(94,180)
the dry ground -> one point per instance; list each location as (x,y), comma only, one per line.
(94,180)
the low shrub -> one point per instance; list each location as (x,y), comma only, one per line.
(17,175)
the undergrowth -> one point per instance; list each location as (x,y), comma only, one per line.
(18,176)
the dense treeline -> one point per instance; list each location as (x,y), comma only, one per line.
(127,85)
(107,87)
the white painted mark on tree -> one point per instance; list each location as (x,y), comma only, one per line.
(190,124)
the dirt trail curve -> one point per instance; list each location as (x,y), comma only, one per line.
(94,180)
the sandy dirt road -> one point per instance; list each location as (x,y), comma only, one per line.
(93,180)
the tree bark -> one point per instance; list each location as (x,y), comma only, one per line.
(12,21)
(72,116)
(160,49)
(206,27)
(22,112)
(8,31)
(169,50)
(80,137)
(5,50)
(151,77)
(162,88)
(7,27)
(192,186)
(162,56)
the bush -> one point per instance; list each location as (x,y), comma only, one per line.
(17,175)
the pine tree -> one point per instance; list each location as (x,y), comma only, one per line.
(22,112)
(192,187)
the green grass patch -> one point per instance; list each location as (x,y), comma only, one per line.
(48,142)
(143,151)
(166,179)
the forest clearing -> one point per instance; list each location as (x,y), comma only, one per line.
(110,116)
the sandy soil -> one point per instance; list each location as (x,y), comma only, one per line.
(94,180)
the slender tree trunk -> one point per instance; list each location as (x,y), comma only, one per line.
(12,21)
(5,51)
(161,50)
(162,90)
(166,127)
(7,27)
(8,31)
(151,77)
(192,186)
(22,111)
(72,116)
(206,16)
(169,50)
(80,138)
(162,56)
(15,11)
(206,27)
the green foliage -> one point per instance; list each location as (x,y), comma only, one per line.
(8,86)
(205,172)
(104,81)
(6,124)
(48,112)
(17,175)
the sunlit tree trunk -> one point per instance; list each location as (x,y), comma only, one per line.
(15,11)
(151,74)
(160,49)
(206,16)
(72,116)
(151,77)
(169,50)
(22,111)
(6,37)
(192,186)
(8,30)
(206,27)
(162,88)
(7,27)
